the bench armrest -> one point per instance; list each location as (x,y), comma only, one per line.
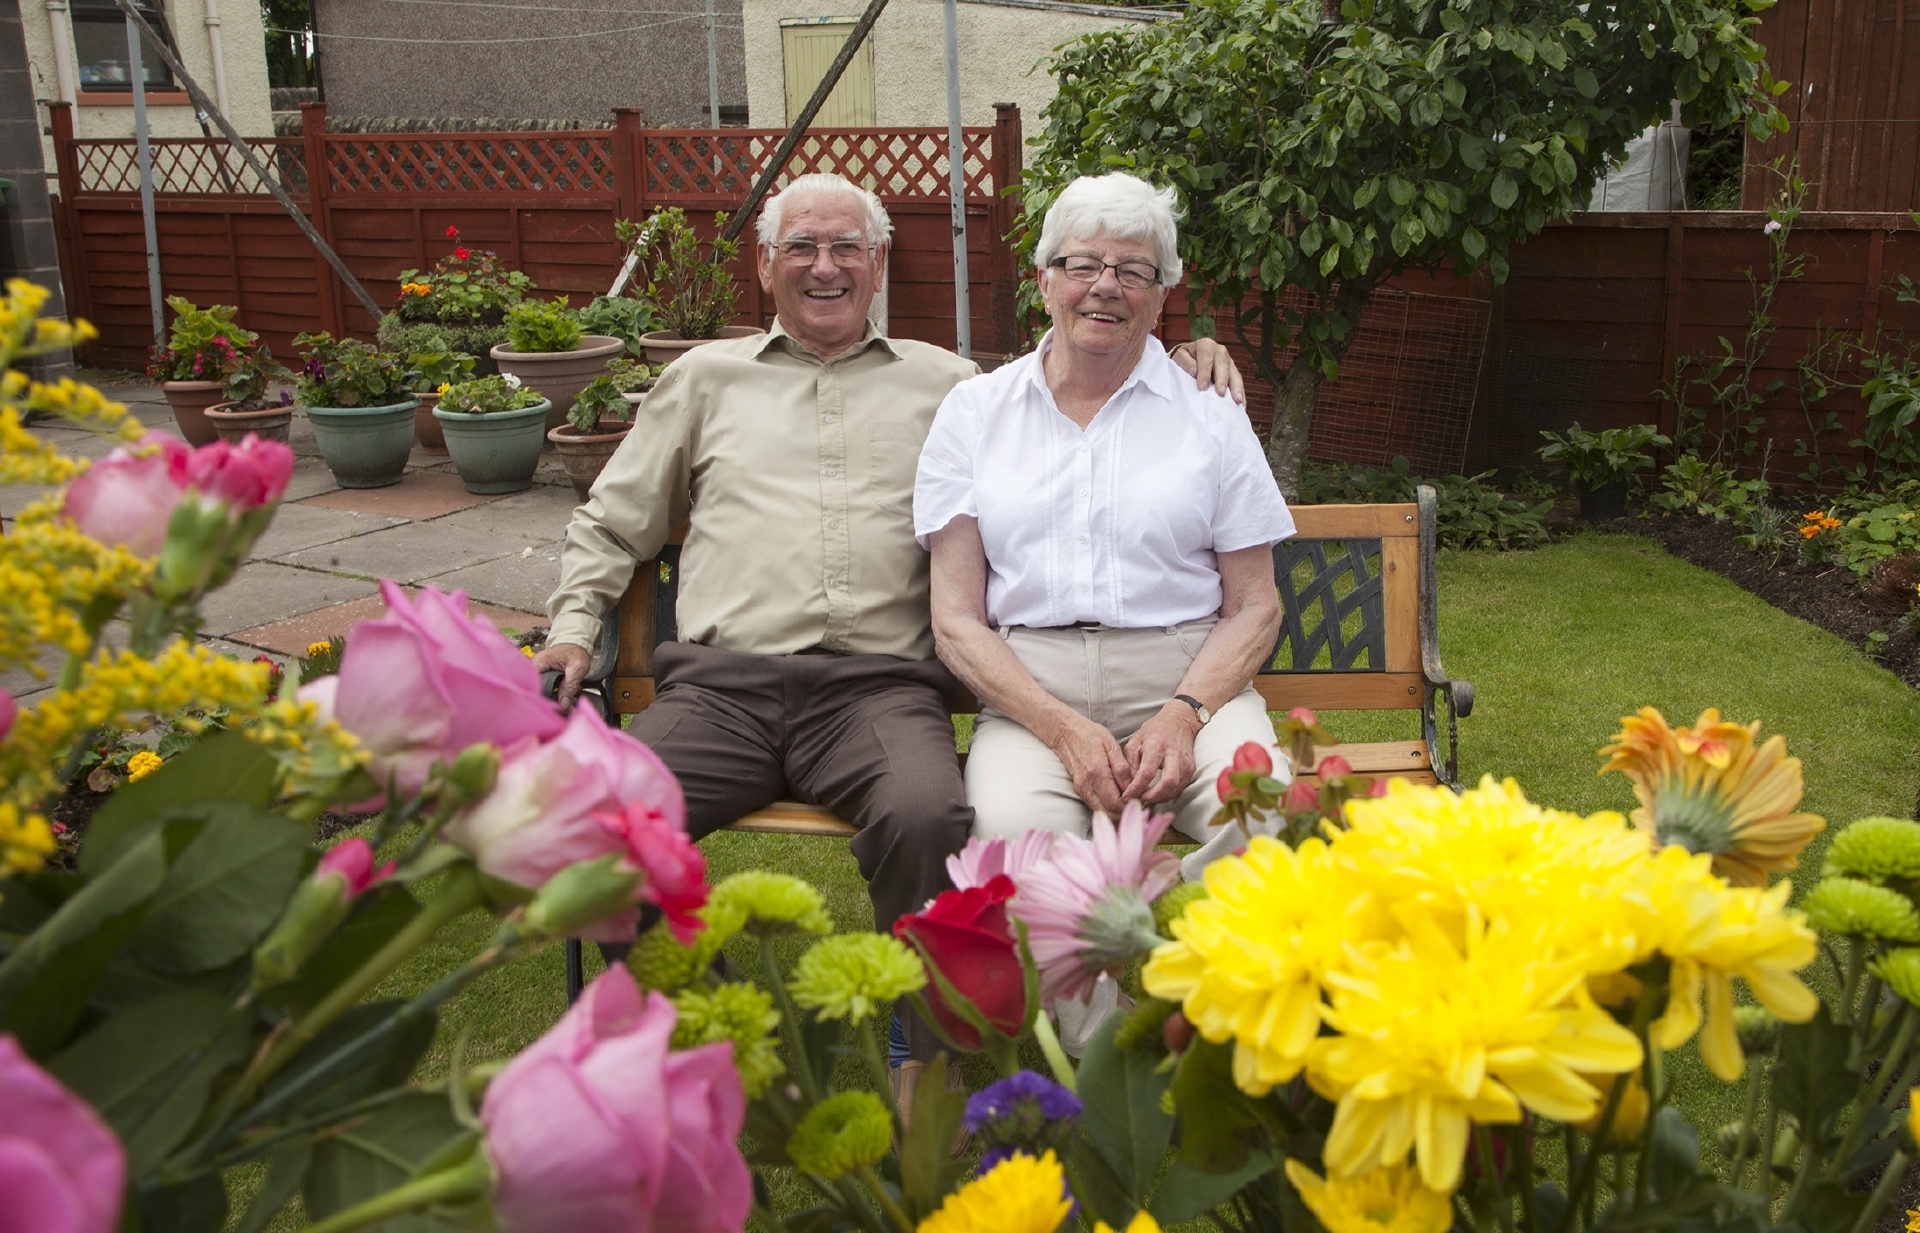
(598,683)
(1459,694)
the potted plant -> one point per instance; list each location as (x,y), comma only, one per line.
(203,348)
(462,302)
(692,292)
(438,368)
(360,401)
(494,428)
(250,407)
(623,317)
(549,352)
(1599,465)
(599,421)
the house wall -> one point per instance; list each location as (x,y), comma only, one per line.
(1001,44)
(243,54)
(550,60)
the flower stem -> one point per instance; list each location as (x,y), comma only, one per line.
(1889,1183)
(790,1016)
(461,1184)
(1756,1075)
(879,1067)
(1483,1144)
(1063,1072)
(887,1205)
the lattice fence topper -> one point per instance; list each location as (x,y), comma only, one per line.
(1331,610)
(188,165)
(906,164)
(580,164)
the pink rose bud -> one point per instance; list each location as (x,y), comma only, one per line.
(8,709)
(1333,766)
(657,844)
(317,908)
(1223,786)
(244,476)
(127,499)
(1377,787)
(61,1169)
(597,1127)
(1304,715)
(1302,797)
(351,862)
(1251,757)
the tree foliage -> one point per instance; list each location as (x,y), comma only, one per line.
(1321,154)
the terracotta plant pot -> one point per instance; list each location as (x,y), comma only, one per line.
(365,447)
(268,423)
(585,454)
(559,376)
(496,452)
(666,346)
(426,429)
(190,400)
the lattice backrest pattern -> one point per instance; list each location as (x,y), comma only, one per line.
(576,163)
(188,166)
(905,164)
(1332,614)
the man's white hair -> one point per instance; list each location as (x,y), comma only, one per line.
(1121,207)
(773,219)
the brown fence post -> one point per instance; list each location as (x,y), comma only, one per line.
(626,162)
(1668,416)
(1003,210)
(66,165)
(313,127)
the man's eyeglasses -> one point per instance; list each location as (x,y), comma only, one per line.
(847,254)
(1133,275)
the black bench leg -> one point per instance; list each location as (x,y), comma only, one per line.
(576,976)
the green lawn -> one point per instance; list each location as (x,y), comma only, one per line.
(1559,643)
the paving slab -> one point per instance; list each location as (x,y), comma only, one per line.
(292,636)
(418,495)
(297,526)
(410,552)
(310,479)
(523,581)
(16,497)
(539,515)
(263,591)
(78,442)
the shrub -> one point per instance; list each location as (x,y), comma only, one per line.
(693,292)
(204,345)
(1472,512)
(349,373)
(489,395)
(601,400)
(1691,484)
(1594,460)
(542,326)
(436,365)
(619,317)
(463,287)
(407,337)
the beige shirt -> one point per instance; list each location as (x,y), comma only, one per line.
(796,480)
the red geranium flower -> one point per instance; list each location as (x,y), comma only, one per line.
(453,232)
(461,253)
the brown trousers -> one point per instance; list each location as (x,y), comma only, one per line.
(867,736)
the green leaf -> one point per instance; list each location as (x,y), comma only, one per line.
(1120,1093)
(1504,192)
(224,891)
(148,1069)
(1215,1120)
(284,1172)
(197,1206)
(1400,190)
(1453,21)
(224,767)
(1186,1193)
(374,1156)
(1811,1078)
(377,1066)
(1472,243)
(1584,82)
(928,1170)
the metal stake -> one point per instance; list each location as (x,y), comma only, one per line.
(957,187)
(713,72)
(137,70)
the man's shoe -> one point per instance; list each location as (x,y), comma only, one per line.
(905,1079)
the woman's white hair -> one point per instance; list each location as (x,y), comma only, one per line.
(1121,207)
(773,219)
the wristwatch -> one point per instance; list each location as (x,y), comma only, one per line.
(1199,707)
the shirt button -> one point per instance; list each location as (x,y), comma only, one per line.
(1083,539)
(1084,588)
(1083,492)
(833,524)
(832,473)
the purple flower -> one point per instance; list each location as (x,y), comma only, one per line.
(1021,1096)
(1772,227)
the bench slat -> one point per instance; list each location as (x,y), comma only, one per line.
(1342,691)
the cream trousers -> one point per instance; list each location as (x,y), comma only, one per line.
(1118,678)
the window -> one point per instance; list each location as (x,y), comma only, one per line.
(100,46)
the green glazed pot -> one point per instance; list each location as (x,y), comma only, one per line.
(497,452)
(365,447)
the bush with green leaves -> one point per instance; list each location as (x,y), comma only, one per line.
(463,288)
(1691,484)
(408,337)
(346,372)
(1596,459)
(542,327)
(621,317)
(601,401)
(437,365)
(489,396)
(688,282)
(207,344)
(1473,513)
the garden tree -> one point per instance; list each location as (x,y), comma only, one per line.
(1318,154)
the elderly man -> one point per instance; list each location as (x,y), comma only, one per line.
(805,665)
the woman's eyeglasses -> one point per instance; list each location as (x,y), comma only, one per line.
(1133,275)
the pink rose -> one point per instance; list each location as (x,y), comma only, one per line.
(245,476)
(427,680)
(597,1128)
(127,499)
(654,833)
(548,802)
(61,1169)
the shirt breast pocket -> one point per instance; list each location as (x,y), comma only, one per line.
(893,456)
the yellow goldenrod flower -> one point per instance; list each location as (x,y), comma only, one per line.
(1021,1194)
(1389,1200)
(142,764)
(1710,789)
(25,839)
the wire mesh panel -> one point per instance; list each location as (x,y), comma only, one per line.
(903,164)
(1332,610)
(189,165)
(580,164)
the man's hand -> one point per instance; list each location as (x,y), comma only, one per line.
(1161,755)
(571,662)
(1208,363)
(1096,762)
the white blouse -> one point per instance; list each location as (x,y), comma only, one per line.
(1119,523)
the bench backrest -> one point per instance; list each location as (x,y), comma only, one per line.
(1356,596)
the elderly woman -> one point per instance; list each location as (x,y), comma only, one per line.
(1102,546)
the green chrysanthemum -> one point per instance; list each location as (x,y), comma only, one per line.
(1168,907)
(1757,1027)
(1877,849)
(657,961)
(1901,970)
(853,975)
(842,1133)
(1846,905)
(738,1013)
(771,903)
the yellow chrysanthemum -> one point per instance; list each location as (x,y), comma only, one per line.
(1141,1223)
(1628,1117)
(1389,1200)
(1021,1194)
(1710,789)
(143,764)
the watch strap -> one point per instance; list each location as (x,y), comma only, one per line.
(1199,707)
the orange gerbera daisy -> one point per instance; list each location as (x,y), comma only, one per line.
(1710,788)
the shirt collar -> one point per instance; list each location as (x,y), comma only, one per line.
(1155,369)
(869,338)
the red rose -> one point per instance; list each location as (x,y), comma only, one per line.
(1333,766)
(1250,757)
(964,934)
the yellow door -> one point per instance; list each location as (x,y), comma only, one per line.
(809,45)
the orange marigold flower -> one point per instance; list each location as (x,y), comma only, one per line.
(1809,532)
(1710,788)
